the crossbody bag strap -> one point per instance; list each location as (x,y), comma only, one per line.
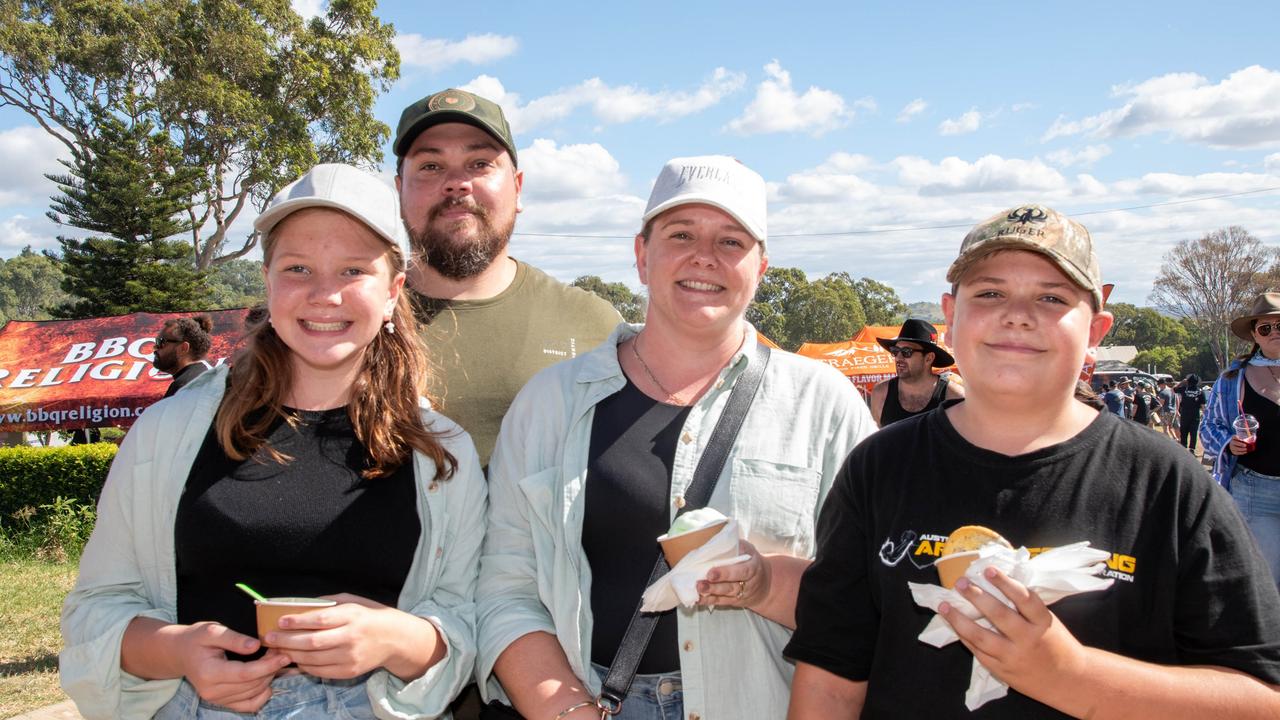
(636,639)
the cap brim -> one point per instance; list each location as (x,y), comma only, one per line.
(275,214)
(436,117)
(694,200)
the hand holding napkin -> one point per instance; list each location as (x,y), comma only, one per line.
(680,586)
(1052,575)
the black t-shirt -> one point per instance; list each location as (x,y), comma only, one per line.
(1190,400)
(633,449)
(1190,586)
(310,527)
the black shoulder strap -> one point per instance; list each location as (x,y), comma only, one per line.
(636,639)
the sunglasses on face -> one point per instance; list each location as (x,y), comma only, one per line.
(903,352)
(1264,329)
(161,341)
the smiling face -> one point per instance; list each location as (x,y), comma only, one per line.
(459,194)
(1019,327)
(330,287)
(702,269)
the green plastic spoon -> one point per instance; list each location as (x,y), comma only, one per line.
(251,592)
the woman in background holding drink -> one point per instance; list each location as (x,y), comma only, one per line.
(311,468)
(1241,427)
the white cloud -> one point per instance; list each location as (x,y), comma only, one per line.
(436,54)
(27,153)
(309,8)
(966,123)
(554,172)
(1241,111)
(990,173)
(1022,106)
(777,107)
(911,109)
(19,231)
(1174,185)
(1085,156)
(609,104)
(1272,163)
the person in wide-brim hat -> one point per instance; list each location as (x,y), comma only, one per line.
(1265,304)
(923,334)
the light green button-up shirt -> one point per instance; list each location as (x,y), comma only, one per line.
(534,573)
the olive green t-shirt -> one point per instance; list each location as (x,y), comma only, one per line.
(484,351)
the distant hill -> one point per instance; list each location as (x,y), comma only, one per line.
(926,311)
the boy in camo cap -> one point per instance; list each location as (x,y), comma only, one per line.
(1186,629)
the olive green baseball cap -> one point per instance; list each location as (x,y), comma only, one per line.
(453,105)
(1036,228)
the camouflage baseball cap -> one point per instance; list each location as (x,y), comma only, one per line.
(453,105)
(1065,242)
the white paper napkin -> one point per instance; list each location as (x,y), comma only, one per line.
(681,584)
(1053,574)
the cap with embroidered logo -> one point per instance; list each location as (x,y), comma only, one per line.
(716,180)
(1036,228)
(453,105)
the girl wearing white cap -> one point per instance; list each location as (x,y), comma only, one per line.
(596,456)
(311,467)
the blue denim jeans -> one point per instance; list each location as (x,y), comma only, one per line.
(293,697)
(652,697)
(1258,497)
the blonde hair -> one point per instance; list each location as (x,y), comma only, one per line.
(384,406)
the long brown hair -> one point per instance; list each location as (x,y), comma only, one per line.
(384,408)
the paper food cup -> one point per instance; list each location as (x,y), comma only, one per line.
(951,567)
(272,609)
(676,547)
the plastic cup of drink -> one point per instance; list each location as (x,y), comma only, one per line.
(1246,427)
(272,609)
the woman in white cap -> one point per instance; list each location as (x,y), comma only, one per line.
(311,468)
(595,458)
(1251,385)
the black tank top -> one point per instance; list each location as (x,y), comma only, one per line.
(893,411)
(1265,458)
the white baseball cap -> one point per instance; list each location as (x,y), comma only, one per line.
(717,180)
(346,188)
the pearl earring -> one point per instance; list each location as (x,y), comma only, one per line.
(390,327)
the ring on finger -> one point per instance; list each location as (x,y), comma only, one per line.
(742,587)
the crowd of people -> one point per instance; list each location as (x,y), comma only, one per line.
(470,462)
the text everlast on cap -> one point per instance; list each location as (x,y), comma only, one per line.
(717,180)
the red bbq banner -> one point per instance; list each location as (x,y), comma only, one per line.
(97,372)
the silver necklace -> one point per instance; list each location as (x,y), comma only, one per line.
(635,350)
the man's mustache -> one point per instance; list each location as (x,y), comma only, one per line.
(455,202)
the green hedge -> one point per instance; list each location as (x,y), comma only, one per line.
(31,476)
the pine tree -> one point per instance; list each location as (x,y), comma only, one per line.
(127,186)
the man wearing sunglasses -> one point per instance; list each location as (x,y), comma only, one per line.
(916,389)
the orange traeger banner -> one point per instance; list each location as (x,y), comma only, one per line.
(866,363)
(96,372)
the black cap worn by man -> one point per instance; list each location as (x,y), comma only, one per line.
(916,389)
(491,321)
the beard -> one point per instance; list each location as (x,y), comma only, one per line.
(457,258)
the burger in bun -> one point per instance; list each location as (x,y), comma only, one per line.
(962,549)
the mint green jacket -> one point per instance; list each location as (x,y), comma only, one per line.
(534,574)
(128,570)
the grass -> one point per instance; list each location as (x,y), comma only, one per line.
(32,591)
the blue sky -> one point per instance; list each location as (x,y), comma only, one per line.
(861,116)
